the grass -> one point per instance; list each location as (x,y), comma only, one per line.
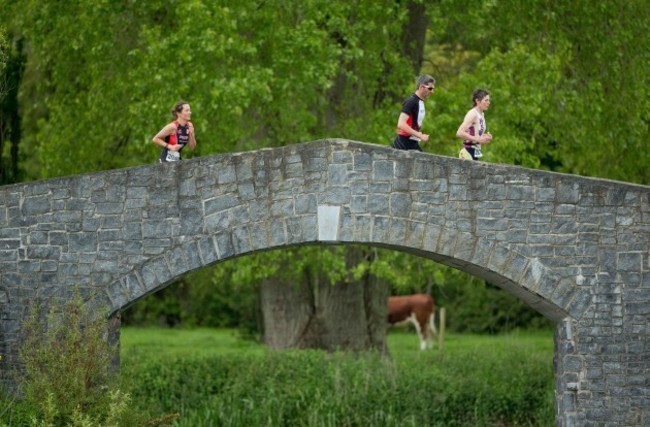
(155,342)
(164,342)
(212,377)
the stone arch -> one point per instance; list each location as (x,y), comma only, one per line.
(526,278)
(574,248)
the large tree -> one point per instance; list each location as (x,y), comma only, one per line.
(321,310)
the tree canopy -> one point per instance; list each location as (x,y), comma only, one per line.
(568,78)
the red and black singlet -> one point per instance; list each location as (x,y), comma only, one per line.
(180,136)
(414,108)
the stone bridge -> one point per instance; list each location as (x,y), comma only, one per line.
(575,249)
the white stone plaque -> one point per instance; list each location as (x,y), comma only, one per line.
(328,222)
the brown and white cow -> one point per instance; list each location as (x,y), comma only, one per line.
(418,309)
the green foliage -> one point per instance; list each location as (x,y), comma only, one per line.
(471,383)
(69,364)
(51,414)
(67,379)
(260,76)
(569,89)
(480,308)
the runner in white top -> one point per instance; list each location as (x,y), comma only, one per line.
(472,130)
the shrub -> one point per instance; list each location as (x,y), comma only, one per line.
(67,360)
(67,379)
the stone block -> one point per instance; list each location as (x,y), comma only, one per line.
(36,205)
(337,175)
(241,240)
(225,245)
(383,170)
(362,228)
(568,192)
(362,162)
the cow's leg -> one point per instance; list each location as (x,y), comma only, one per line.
(420,330)
(424,323)
(432,323)
(423,340)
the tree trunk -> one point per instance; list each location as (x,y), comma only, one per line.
(10,119)
(350,315)
(414,36)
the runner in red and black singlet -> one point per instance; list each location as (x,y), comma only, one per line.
(411,117)
(176,135)
(180,136)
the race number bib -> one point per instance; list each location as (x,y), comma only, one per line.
(173,156)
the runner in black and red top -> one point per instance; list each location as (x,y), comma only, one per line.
(177,134)
(411,117)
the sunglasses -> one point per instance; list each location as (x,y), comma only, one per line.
(430,88)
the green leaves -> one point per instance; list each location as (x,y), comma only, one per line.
(67,366)
(569,85)
(257,75)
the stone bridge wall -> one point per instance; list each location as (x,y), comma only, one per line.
(575,249)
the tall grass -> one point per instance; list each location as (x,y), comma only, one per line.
(214,379)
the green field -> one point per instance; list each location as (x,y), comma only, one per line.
(213,378)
